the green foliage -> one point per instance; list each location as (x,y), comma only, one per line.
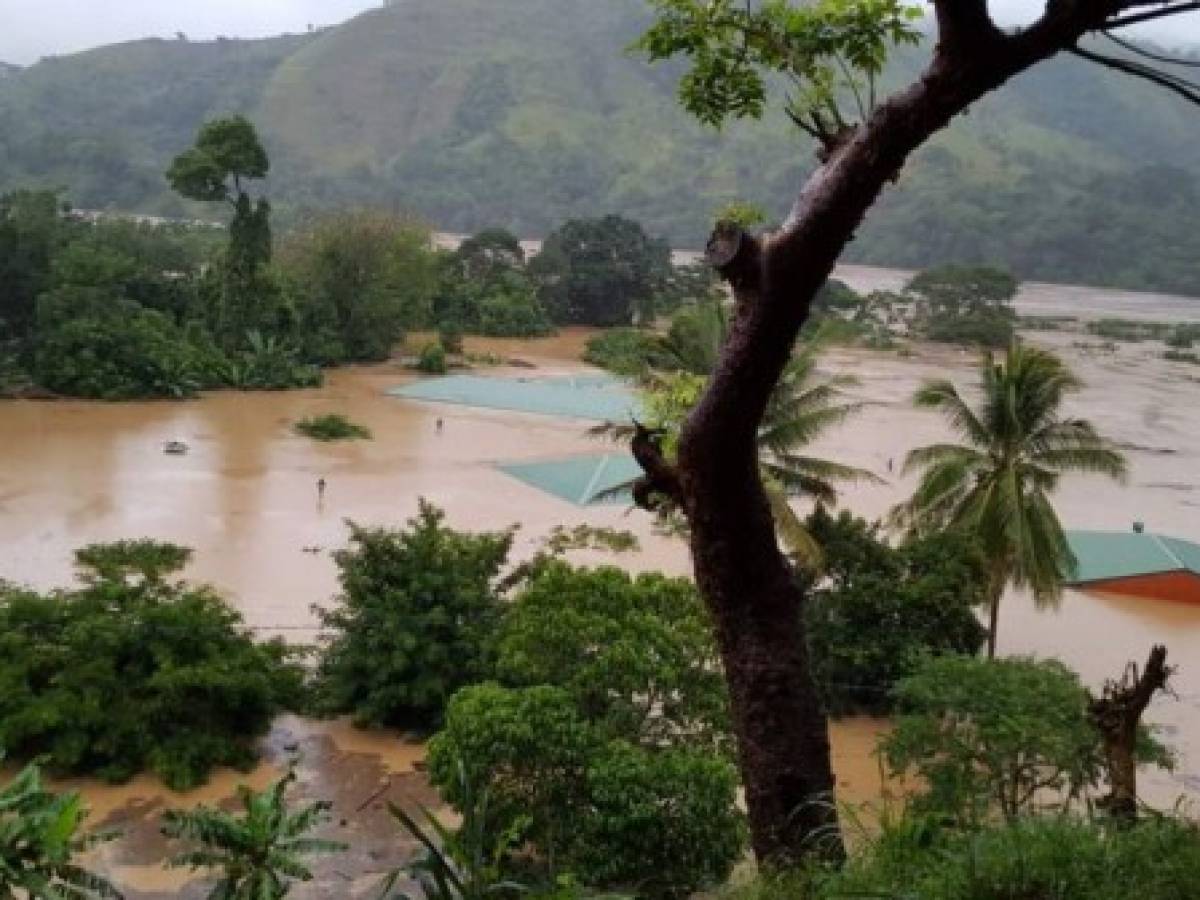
(1009,735)
(1135,330)
(1058,857)
(363,278)
(575,126)
(658,821)
(414,622)
(964,305)
(996,485)
(332,427)
(130,673)
(826,50)
(636,655)
(1182,337)
(876,610)
(745,215)
(29,236)
(432,359)
(603,272)
(463,865)
(624,351)
(1183,356)
(225,149)
(39,841)
(260,853)
(605,746)
(144,557)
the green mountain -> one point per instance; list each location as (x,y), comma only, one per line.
(525,112)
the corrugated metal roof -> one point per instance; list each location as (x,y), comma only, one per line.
(1102,555)
(585,397)
(582,480)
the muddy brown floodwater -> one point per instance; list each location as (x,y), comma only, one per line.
(245,498)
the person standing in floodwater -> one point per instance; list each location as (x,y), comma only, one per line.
(439,426)
(320,491)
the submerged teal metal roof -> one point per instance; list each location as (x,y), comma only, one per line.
(1102,555)
(596,397)
(582,480)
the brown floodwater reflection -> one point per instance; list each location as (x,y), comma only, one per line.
(244,497)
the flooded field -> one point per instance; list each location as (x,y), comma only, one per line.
(244,497)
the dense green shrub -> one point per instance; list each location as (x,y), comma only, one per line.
(332,427)
(132,672)
(655,821)
(1051,858)
(605,746)
(635,653)
(1006,735)
(432,360)
(625,351)
(415,620)
(876,610)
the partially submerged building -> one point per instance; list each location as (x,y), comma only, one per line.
(1136,564)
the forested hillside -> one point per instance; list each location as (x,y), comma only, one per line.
(521,114)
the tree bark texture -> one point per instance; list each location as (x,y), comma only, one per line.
(747,583)
(1117,713)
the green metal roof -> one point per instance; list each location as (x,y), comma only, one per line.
(1122,554)
(585,397)
(582,480)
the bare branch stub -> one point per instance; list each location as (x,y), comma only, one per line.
(661,482)
(1117,714)
(735,254)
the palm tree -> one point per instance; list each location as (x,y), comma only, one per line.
(260,853)
(801,409)
(40,838)
(997,484)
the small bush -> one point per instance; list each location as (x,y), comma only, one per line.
(332,427)
(432,359)
(625,351)
(1182,356)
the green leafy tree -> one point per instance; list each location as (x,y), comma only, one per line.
(30,234)
(259,854)
(363,278)
(415,620)
(132,671)
(601,272)
(226,156)
(965,304)
(40,840)
(827,55)
(997,484)
(1004,735)
(635,654)
(875,610)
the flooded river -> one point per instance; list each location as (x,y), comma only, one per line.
(244,497)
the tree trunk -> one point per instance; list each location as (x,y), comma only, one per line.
(1117,714)
(756,605)
(995,593)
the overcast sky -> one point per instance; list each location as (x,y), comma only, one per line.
(30,29)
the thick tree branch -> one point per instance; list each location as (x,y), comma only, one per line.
(1180,86)
(1148,54)
(962,22)
(661,482)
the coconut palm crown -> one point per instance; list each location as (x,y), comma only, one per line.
(997,483)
